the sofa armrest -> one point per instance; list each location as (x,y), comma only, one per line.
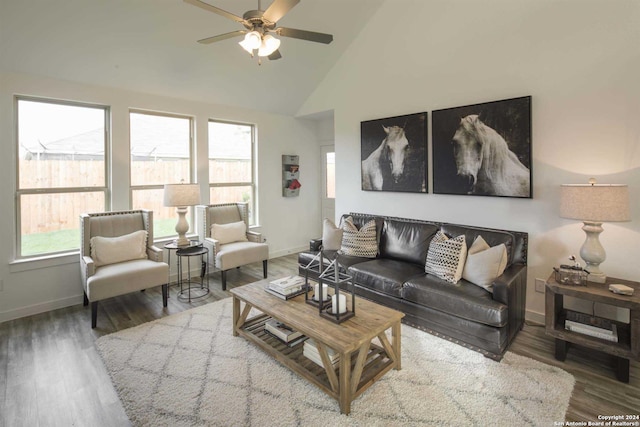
(511,289)
(155,253)
(315,244)
(254,236)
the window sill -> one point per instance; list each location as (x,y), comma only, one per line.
(44,261)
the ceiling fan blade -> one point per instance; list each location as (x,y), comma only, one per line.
(305,35)
(275,55)
(278,9)
(221,37)
(207,6)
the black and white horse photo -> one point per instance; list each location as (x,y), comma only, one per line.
(474,157)
(394,153)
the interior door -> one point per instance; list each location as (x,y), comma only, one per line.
(328,156)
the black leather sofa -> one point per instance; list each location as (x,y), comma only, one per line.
(463,313)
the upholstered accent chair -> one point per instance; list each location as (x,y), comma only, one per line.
(230,249)
(113,264)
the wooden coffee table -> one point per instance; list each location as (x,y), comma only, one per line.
(363,360)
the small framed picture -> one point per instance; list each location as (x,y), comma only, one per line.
(483,149)
(394,154)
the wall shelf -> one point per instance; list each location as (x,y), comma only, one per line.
(290,173)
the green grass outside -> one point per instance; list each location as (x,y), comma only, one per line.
(69,240)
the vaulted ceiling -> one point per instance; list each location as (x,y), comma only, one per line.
(150,46)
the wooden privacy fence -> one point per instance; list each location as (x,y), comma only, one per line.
(41,213)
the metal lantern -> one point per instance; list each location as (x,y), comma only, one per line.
(333,307)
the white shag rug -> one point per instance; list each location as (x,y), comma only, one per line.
(188,370)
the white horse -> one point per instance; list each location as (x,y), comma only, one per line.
(484,159)
(389,156)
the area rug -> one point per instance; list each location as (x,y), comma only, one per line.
(188,370)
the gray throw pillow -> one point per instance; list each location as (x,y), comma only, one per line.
(331,236)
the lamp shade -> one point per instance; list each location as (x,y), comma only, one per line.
(268,46)
(595,202)
(181,194)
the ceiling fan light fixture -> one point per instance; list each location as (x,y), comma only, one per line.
(252,40)
(269,45)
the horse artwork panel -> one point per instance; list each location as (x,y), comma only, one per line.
(483,149)
(394,153)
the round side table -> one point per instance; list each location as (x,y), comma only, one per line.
(191,288)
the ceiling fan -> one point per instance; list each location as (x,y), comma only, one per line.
(260,25)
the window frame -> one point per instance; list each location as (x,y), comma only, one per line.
(105,189)
(192,164)
(253,208)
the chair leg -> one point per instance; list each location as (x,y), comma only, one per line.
(85,301)
(223,273)
(264,268)
(165,292)
(94,314)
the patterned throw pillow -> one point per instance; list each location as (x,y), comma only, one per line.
(360,243)
(446,257)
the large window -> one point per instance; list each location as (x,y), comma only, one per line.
(61,172)
(231,166)
(160,154)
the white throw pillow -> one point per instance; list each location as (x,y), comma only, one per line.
(111,250)
(484,263)
(229,233)
(446,257)
(359,243)
(331,236)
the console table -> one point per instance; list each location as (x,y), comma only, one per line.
(628,345)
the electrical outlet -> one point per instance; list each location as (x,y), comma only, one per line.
(540,285)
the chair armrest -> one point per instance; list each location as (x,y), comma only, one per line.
(212,245)
(254,236)
(511,289)
(315,244)
(87,268)
(155,253)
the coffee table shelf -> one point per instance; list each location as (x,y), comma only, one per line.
(362,360)
(376,361)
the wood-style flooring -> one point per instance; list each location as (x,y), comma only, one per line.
(51,374)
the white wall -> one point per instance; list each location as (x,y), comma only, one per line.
(579,60)
(287,223)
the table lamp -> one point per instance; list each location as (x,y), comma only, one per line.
(594,204)
(181,196)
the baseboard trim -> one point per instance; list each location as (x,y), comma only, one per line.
(44,307)
(534,317)
(289,251)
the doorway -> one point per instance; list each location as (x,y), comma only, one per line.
(328,155)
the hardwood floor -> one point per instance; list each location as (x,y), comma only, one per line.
(51,374)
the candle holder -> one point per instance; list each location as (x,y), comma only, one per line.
(336,307)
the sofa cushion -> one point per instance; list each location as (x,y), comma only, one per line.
(359,242)
(446,257)
(406,241)
(464,299)
(484,264)
(112,250)
(331,236)
(384,275)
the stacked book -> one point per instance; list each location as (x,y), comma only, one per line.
(283,332)
(597,327)
(287,287)
(310,351)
